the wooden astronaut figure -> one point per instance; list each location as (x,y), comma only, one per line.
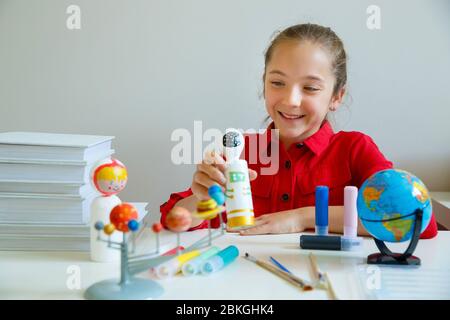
(109,177)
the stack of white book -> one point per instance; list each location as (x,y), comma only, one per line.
(52,237)
(45,189)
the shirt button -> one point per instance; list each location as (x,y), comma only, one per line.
(287,164)
(299,145)
(285,197)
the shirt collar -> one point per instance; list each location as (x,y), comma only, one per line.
(320,140)
(317,143)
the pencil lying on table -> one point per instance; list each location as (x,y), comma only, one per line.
(296,281)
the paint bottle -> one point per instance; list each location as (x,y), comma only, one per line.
(220,260)
(239,203)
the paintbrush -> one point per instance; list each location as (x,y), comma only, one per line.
(320,280)
(294,280)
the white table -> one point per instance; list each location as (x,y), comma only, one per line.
(44,275)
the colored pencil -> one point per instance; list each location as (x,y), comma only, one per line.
(296,281)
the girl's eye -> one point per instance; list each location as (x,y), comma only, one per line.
(312,89)
(277,83)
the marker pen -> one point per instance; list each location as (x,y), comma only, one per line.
(173,266)
(322,210)
(220,260)
(337,243)
(171,252)
(192,267)
(316,242)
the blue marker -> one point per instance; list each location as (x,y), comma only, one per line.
(220,260)
(322,210)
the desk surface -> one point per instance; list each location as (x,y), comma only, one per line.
(44,275)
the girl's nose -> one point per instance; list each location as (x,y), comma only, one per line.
(294,97)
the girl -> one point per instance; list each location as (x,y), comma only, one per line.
(305,78)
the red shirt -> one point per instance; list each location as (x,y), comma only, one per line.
(326,158)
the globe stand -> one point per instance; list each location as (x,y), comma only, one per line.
(390,258)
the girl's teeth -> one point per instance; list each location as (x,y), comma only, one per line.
(289,116)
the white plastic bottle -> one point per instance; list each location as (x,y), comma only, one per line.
(238,200)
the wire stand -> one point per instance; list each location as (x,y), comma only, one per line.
(129,287)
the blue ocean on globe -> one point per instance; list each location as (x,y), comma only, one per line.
(393,194)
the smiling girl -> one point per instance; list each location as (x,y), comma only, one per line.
(305,78)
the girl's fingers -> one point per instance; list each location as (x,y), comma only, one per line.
(259,221)
(213,173)
(264,217)
(231,230)
(203,179)
(219,162)
(215,159)
(263,228)
(252,174)
(200,191)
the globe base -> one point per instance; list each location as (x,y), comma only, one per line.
(388,257)
(393,259)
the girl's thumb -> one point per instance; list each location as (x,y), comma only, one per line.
(252,174)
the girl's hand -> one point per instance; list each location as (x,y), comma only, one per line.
(280,222)
(211,171)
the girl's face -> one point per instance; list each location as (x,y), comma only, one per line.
(298,89)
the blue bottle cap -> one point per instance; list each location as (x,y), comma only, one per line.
(321,210)
(229,254)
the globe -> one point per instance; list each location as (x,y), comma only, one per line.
(387,203)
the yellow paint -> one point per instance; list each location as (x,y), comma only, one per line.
(240,210)
(242,221)
(185,257)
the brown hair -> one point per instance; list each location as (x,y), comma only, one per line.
(324,37)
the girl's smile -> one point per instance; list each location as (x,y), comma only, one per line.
(291,117)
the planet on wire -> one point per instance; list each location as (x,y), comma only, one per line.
(121,215)
(178,219)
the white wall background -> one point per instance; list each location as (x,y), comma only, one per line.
(140,69)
